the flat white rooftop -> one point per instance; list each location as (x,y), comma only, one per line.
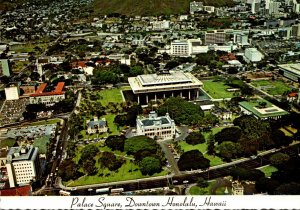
(294,68)
(174,80)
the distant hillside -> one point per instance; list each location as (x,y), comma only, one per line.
(150,7)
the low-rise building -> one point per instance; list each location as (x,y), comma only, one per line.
(237,188)
(164,84)
(156,127)
(96,126)
(262,109)
(290,71)
(48,98)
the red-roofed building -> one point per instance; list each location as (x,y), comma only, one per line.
(48,98)
(292,96)
(17,191)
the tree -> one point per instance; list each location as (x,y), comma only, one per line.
(136,70)
(138,143)
(195,138)
(150,165)
(89,166)
(29,115)
(266,185)
(279,159)
(232,134)
(182,111)
(132,114)
(288,189)
(229,150)
(201,182)
(211,144)
(192,160)
(280,139)
(89,152)
(68,170)
(110,161)
(115,142)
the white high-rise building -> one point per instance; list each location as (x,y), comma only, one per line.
(12,92)
(253,55)
(156,127)
(23,165)
(179,48)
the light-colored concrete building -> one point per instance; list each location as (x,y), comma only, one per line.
(165,84)
(5,67)
(156,127)
(253,55)
(237,188)
(262,109)
(12,92)
(179,48)
(290,71)
(23,165)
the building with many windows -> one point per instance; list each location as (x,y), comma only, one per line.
(48,97)
(12,92)
(164,84)
(291,71)
(179,48)
(215,37)
(23,165)
(156,127)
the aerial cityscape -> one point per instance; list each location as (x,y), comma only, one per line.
(172,97)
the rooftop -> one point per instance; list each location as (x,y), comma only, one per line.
(42,87)
(22,153)
(154,120)
(269,110)
(166,78)
(294,68)
(157,82)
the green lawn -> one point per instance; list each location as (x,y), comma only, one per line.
(188,147)
(268,170)
(45,122)
(217,90)
(195,190)
(214,160)
(110,95)
(275,87)
(128,171)
(7,142)
(41,143)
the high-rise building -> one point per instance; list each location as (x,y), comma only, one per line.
(12,92)
(215,37)
(296,30)
(180,48)
(5,67)
(23,165)
(274,7)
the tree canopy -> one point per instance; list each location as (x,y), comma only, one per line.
(192,160)
(115,142)
(150,165)
(195,138)
(182,111)
(138,143)
(228,134)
